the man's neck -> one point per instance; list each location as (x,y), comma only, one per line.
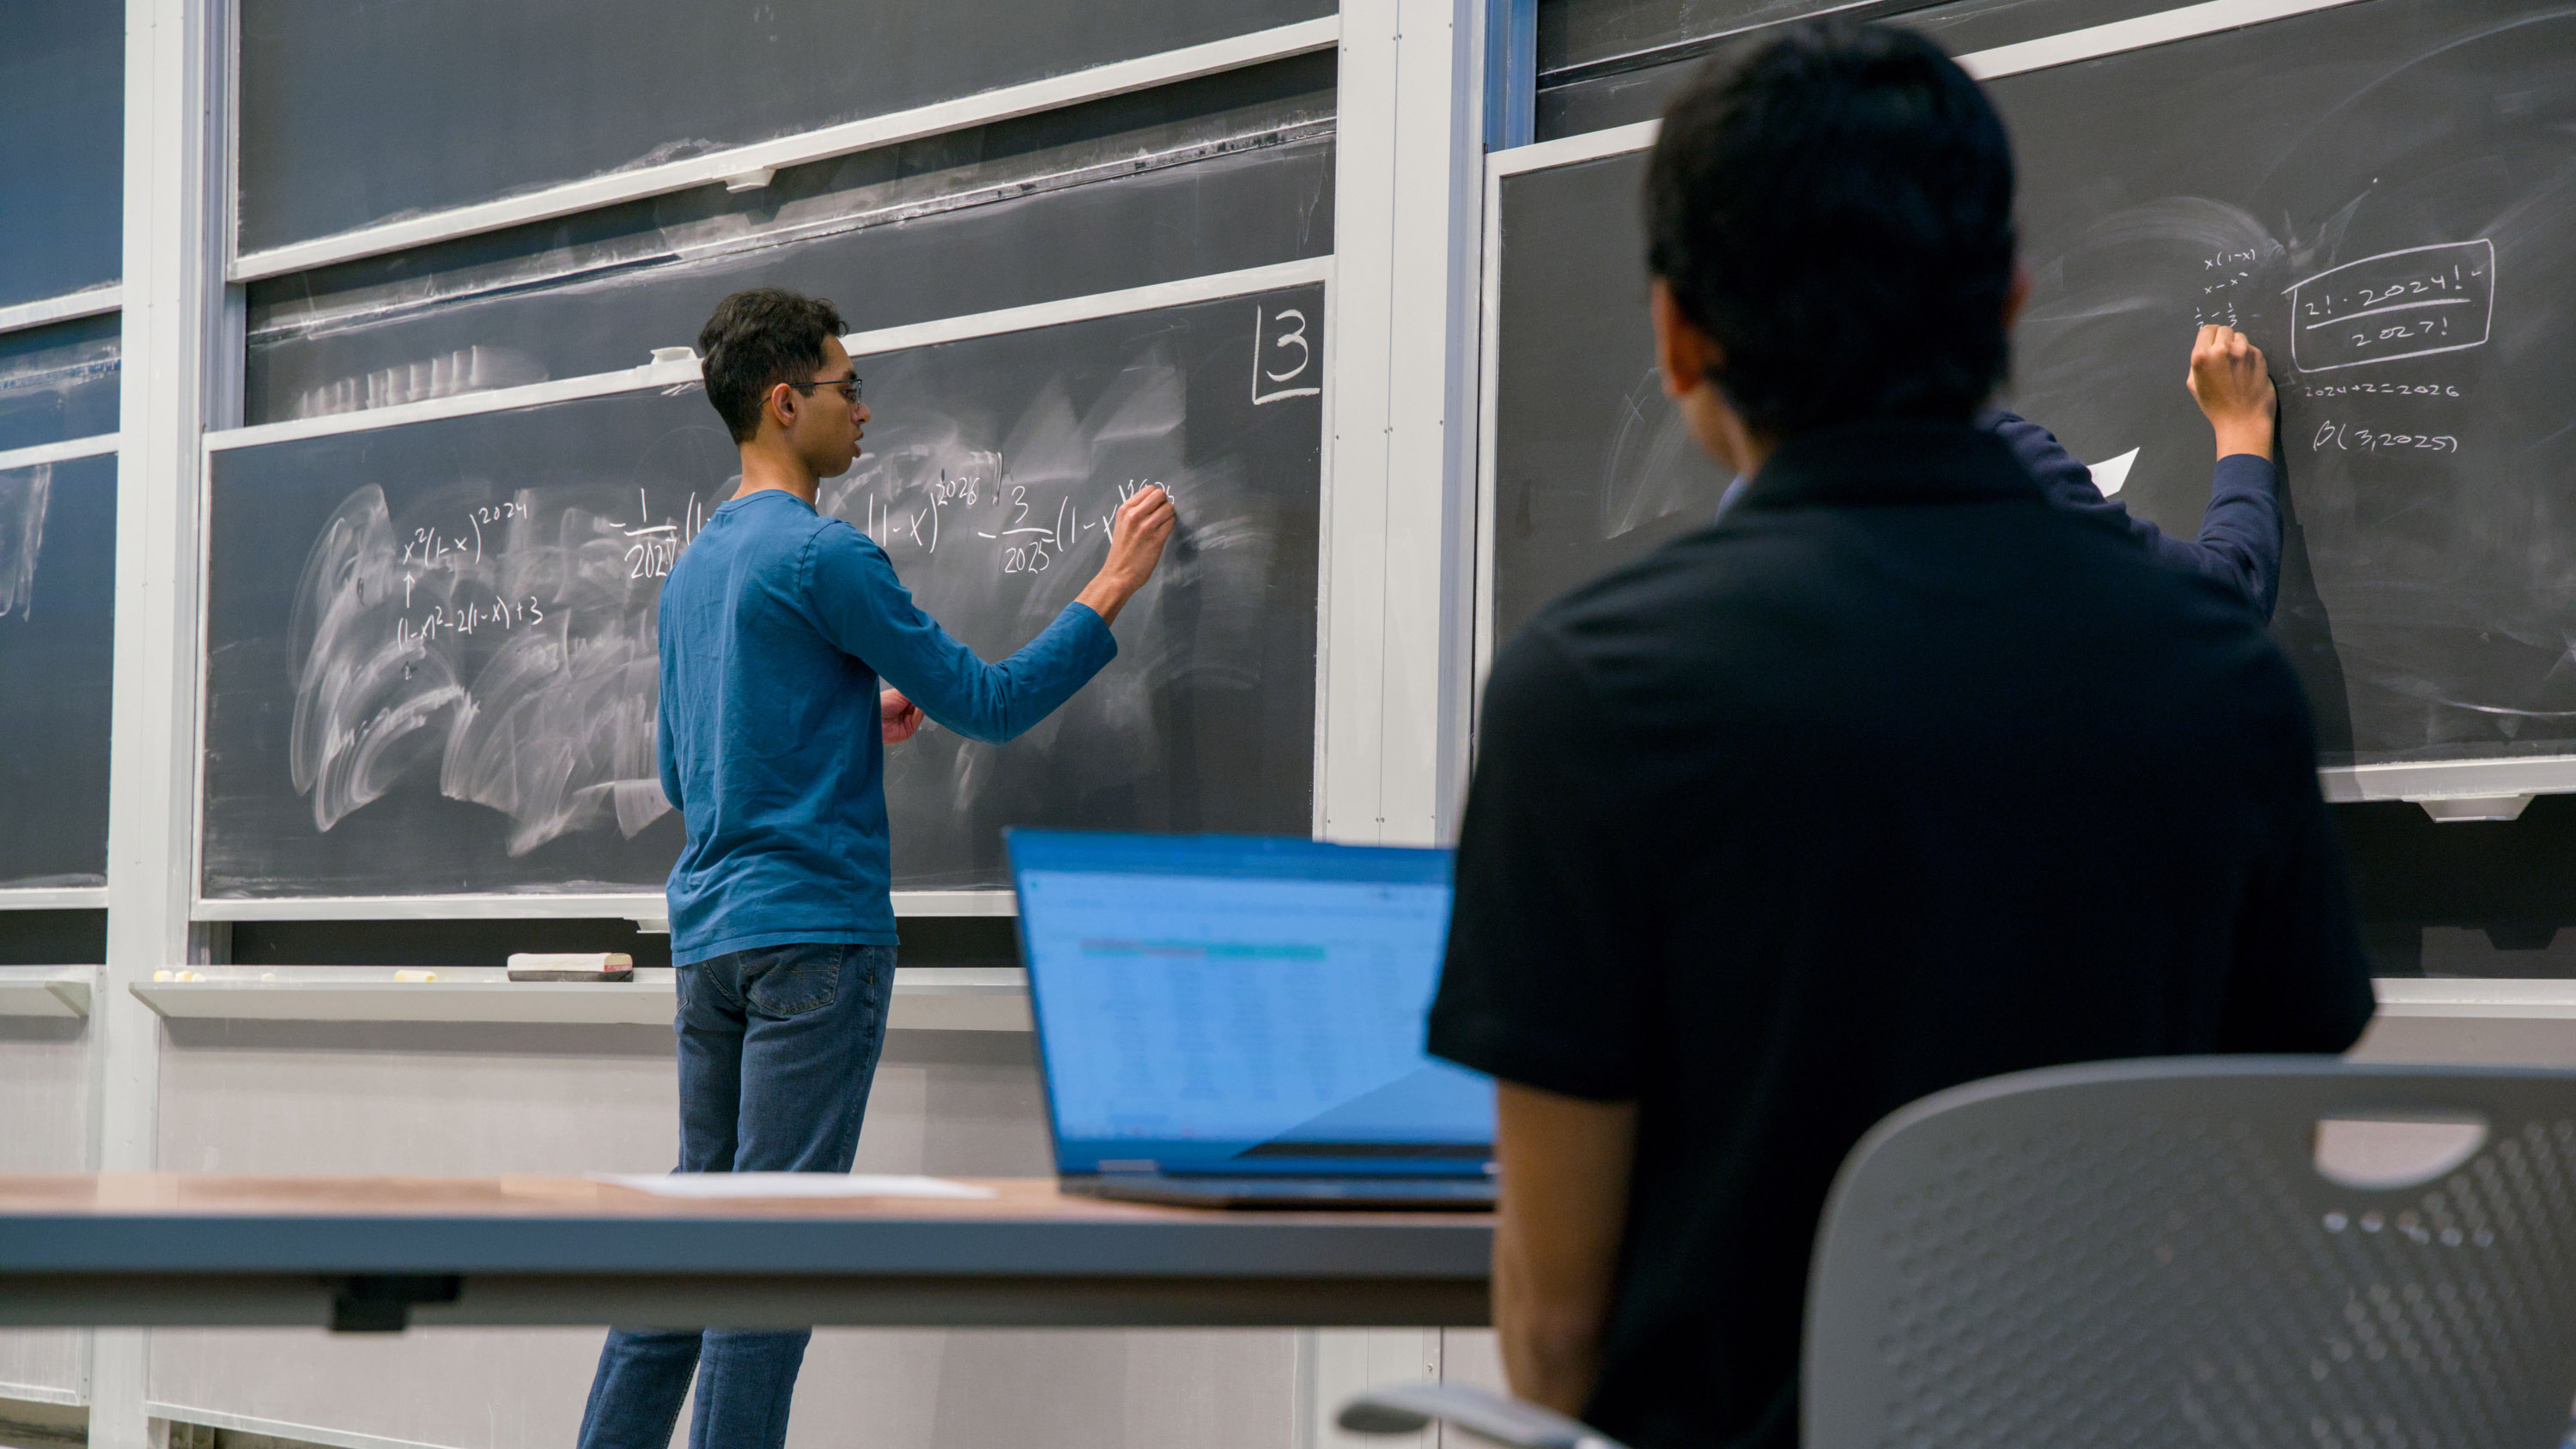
(767,469)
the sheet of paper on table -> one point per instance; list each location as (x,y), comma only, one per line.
(789,1184)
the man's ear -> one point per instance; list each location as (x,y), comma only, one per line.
(1684,354)
(2017,294)
(780,405)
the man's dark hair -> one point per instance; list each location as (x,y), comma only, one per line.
(1835,211)
(757,340)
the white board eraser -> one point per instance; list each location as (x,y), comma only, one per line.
(572,966)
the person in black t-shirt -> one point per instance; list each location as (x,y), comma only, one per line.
(1898,775)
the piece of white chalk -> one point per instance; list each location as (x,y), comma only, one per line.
(415,976)
(571,966)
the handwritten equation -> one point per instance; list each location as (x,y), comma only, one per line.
(453,575)
(2411,303)
(2225,275)
(415,631)
(1029,534)
(2380,389)
(2362,438)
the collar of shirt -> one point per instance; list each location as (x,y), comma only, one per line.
(1890,462)
(752,498)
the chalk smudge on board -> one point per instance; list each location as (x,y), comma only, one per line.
(996,521)
(449,374)
(24,493)
(507,645)
(1644,475)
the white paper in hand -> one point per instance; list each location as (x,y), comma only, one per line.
(789,1184)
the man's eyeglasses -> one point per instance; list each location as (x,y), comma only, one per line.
(849,387)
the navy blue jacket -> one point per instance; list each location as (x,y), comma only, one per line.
(2240,531)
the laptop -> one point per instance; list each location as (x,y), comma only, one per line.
(1237,1021)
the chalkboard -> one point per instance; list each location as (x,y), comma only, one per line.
(2384,195)
(378,347)
(57,647)
(1591,465)
(1605,63)
(2370,157)
(62,167)
(59,381)
(431,653)
(355,114)
(1574,35)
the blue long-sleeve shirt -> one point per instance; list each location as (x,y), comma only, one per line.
(2240,531)
(776,624)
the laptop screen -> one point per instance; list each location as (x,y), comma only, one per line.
(1241,1004)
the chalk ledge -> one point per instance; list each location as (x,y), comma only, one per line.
(926,998)
(52,991)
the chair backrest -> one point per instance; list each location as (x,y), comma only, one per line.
(2148,1254)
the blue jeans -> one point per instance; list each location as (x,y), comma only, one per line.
(777,1048)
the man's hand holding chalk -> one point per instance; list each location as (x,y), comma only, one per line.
(1136,537)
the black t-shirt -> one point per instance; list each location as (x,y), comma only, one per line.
(1897,776)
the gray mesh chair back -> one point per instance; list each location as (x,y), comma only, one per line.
(2148,1254)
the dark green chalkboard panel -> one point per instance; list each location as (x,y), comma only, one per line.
(432,660)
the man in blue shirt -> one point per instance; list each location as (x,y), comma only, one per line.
(777,625)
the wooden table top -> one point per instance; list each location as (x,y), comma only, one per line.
(160,1248)
(190,1194)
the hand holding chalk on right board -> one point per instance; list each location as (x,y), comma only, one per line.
(2234,391)
(1136,538)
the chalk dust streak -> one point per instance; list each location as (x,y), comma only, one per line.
(516,658)
(24,492)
